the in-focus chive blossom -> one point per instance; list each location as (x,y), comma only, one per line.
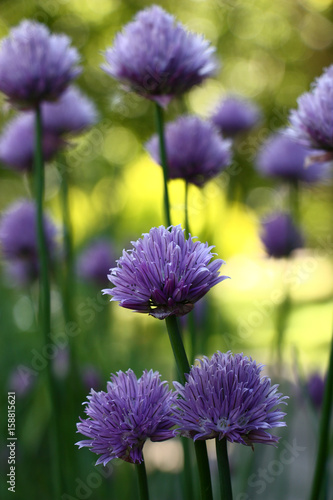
(283,157)
(36,65)
(17,143)
(131,411)
(280,235)
(158,58)
(18,240)
(95,261)
(226,397)
(164,273)
(71,114)
(195,150)
(312,122)
(234,115)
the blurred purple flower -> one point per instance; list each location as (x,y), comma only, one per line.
(234,115)
(95,262)
(72,113)
(316,389)
(61,363)
(123,418)
(36,65)
(17,143)
(312,122)
(225,397)
(281,156)
(195,150)
(91,377)
(164,274)
(18,238)
(157,58)
(21,380)
(280,235)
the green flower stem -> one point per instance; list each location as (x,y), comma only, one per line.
(143,481)
(187,225)
(223,467)
(184,367)
(294,201)
(324,433)
(163,156)
(45,301)
(282,318)
(188,479)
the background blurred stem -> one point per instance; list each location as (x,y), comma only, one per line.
(223,467)
(45,302)
(324,433)
(294,204)
(163,156)
(143,481)
(187,224)
(184,367)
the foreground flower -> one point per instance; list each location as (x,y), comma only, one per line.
(281,156)
(195,150)
(17,143)
(157,58)
(234,115)
(280,235)
(71,114)
(164,274)
(95,261)
(123,418)
(312,122)
(226,397)
(36,65)
(18,239)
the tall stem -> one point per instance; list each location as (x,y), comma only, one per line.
(183,367)
(44,299)
(223,467)
(294,201)
(143,481)
(187,225)
(324,433)
(163,157)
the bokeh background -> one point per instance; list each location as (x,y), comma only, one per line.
(270,52)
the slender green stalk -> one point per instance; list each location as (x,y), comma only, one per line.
(223,467)
(143,481)
(187,225)
(189,492)
(45,301)
(282,318)
(163,156)
(294,201)
(324,433)
(184,367)
(68,245)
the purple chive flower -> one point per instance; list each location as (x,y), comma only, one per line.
(316,389)
(72,113)
(235,115)
(281,156)
(36,65)
(157,58)
(195,150)
(91,377)
(225,397)
(280,236)
(18,239)
(17,143)
(164,274)
(312,122)
(22,380)
(123,418)
(95,262)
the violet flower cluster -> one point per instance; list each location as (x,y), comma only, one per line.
(36,65)
(312,122)
(195,150)
(123,418)
(164,273)
(95,262)
(158,58)
(235,115)
(280,235)
(226,397)
(18,240)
